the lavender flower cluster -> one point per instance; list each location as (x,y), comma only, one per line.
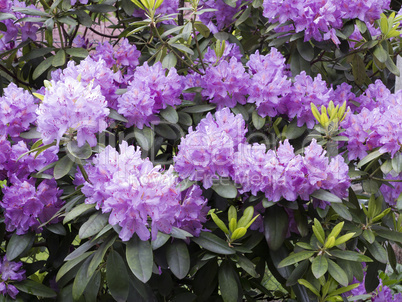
(377,125)
(217,148)
(320,19)
(139,196)
(10,271)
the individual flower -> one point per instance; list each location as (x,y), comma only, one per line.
(231,51)
(391,194)
(74,108)
(17,111)
(26,207)
(140,197)
(10,272)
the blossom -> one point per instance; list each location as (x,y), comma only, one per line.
(391,195)
(17,110)
(73,107)
(10,271)
(26,207)
(139,196)
(208,151)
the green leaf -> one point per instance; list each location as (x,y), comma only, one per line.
(59,59)
(5,16)
(244,16)
(368,158)
(82,152)
(258,121)
(305,50)
(185,119)
(326,196)
(225,189)
(380,53)
(319,266)
(337,273)
(170,114)
(31,134)
(94,224)
(92,290)
(276,223)
(390,235)
(160,240)
(227,282)
(178,258)
(213,243)
(378,252)
(350,255)
(117,277)
(81,280)
(183,48)
(83,18)
(100,254)
(295,258)
(169,61)
(369,236)
(30,11)
(81,249)
(397,162)
(202,29)
(165,131)
(57,229)
(180,234)
(247,265)
(77,211)
(100,8)
(199,108)
(18,244)
(70,264)
(77,52)
(35,288)
(139,258)
(311,287)
(391,66)
(297,273)
(62,167)
(342,210)
(42,67)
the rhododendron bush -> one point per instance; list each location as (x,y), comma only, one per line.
(199,147)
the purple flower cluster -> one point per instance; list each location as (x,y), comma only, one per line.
(26,30)
(318,18)
(150,91)
(73,107)
(96,72)
(26,207)
(208,152)
(139,196)
(282,174)
(226,84)
(10,271)
(17,111)
(391,195)
(125,55)
(230,51)
(222,17)
(377,124)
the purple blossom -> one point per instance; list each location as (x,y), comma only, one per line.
(391,195)
(17,111)
(133,191)
(10,271)
(150,91)
(26,207)
(231,50)
(207,153)
(73,107)
(226,84)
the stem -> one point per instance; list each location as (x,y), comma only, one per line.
(180,18)
(102,35)
(387,180)
(60,35)
(197,45)
(13,76)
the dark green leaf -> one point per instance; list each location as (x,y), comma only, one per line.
(244,16)
(42,67)
(380,53)
(258,121)
(169,61)
(305,50)
(199,108)
(378,252)
(180,234)
(94,224)
(202,29)
(337,273)
(390,235)
(276,223)
(160,240)
(57,228)
(81,249)
(81,279)
(297,273)
(326,196)
(350,255)
(372,156)
(18,244)
(165,131)
(178,258)
(30,11)
(84,18)
(77,211)
(101,8)
(369,236)
(227,282)
(342,210)
(117,277)
(35,288)
(183,48)
(77,52)
(295,258)
(140,258)
(391,66)
(170,114)
(185,119)
(100,254)
(62,167)
(247,265)
(70,264)
(92,290)
(213,243)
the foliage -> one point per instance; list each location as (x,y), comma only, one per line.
(203,146)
